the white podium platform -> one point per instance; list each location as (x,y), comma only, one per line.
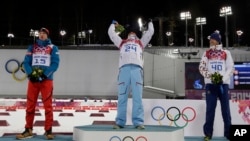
(129,133)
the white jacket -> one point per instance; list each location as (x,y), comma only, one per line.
(131,51)
(216,60)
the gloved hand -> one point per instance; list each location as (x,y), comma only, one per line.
(32,78)
(149,20)
(37,75)
(145,24)
(114,22)
(42,77)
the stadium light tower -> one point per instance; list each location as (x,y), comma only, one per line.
(90,31)
(224,12)
(81,35)
(34,33)
(62,33)
(168,33)
(140,23)
(201,21)
(239,33)
(10,35)
(186,16)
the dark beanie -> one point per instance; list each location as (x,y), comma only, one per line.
(44,30)
(216,36)
(132,27)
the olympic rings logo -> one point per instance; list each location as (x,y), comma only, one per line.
(13,66)
(169,114)
(128,138)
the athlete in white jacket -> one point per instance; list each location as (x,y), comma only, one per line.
(130,76)
(216,59)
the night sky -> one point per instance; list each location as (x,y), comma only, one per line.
(18,17)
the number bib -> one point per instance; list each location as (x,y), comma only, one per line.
(41,60)
(131,53)
(216,61)
(41,56)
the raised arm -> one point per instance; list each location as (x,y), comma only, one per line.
(147,35)
(114,37)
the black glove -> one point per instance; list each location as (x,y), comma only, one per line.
(114,22)
(220,83)
(42,77)
(32,78)
(149,20)
(145,24)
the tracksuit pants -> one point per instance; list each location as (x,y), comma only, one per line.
(213,93)
(34,89)
(130,78)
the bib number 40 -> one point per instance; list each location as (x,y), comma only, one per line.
(217,67)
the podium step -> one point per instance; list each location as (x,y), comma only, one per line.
(128,133)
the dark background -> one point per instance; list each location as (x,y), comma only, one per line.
(18,17)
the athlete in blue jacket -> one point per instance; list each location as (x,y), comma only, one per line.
(40,63)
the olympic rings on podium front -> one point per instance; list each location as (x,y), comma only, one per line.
(141,137)
(127,138)
(14,70)
(190,109)
(175,117)
(178,115)
(115,137)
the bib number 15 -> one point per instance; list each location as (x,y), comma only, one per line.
(43,60)
(40,61)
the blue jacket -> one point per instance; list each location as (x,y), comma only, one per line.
(43,55)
